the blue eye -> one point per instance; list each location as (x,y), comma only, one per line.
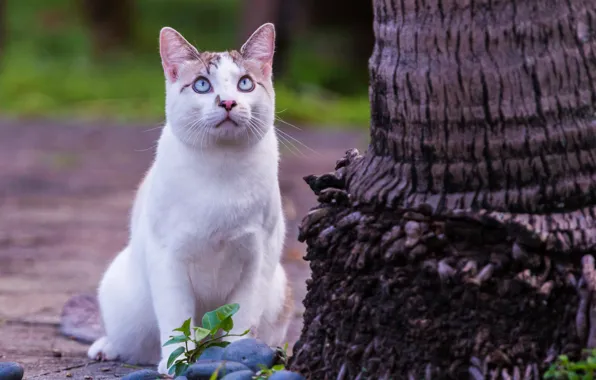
(201,85)
(246,84)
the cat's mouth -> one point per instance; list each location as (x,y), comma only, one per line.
(227,119)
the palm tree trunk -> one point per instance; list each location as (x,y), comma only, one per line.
(460,244)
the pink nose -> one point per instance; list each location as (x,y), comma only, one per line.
(228,104)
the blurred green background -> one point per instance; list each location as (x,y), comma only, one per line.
(98,59)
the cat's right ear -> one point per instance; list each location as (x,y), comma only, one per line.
(174,50)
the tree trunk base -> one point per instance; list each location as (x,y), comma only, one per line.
(410,294)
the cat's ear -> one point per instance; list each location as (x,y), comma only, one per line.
(174,51)
(260,47)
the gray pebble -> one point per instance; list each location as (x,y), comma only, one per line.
(212,353)
(144,374)
(251,352)
(240,375)
(203,369)
(11,371)
(286,375)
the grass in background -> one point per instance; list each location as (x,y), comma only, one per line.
(48,69)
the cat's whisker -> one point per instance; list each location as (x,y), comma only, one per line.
(281,120)
(294,149)
(290,137)
(252,130)
(191,135)
(255,128)
(278,118)
(286,123)
(152,147)
(203,133)
(153,129)
(283,140)
(195,132)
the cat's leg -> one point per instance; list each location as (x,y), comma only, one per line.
(276,292)
(247,260)
(128,319)
(172,296)
(277,315)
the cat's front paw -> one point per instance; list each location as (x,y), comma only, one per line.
(162,367)
(102,350)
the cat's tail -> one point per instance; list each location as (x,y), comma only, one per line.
(80,319)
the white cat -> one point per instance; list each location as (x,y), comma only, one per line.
(207,226)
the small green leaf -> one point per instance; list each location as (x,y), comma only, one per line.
(176,339)
(174,355)
(179,368)
(212,319)
(278,367)
(185,328)
(201,333)
(227,324)
(173,370)
(580,366)
(564,359)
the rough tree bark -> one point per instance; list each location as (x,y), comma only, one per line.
(461,243)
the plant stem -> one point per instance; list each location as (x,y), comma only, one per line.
(201,346)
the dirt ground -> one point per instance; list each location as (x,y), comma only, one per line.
(65,193)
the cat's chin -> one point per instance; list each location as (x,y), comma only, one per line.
(229,132)
(227,124)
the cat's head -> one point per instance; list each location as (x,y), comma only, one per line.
(219,98)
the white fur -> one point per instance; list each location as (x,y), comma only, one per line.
(207,226)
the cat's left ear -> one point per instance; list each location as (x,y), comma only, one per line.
(174,50)
(260,47)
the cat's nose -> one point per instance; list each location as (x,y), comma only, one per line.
(228,104)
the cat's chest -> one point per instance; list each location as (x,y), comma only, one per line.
(195,224)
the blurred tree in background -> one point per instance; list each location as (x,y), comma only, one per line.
(110,23)
(258,12)
(2,26)
(343,28)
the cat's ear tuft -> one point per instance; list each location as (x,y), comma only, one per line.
(174,50)
(260,47)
